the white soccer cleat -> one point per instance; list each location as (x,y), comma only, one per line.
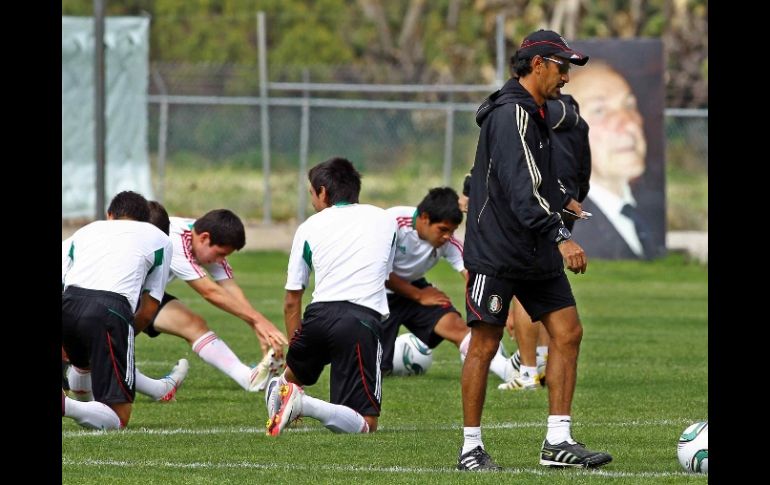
(268,367)
(522,382)
(289,411)
(542,360)
(273,396)
(174,380)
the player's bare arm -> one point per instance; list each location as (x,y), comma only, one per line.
(222,298)
(148,307)
(292,310)
(258,320)
(425,296)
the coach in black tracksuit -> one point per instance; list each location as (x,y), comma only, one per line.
(516,244)
(515,200)
(571,152)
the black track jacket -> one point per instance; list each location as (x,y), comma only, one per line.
(571,150)
(515,198)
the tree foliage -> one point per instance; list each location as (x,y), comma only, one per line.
(411,41)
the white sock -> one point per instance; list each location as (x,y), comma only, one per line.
(80,383)
(559,429)
(215,352)
(502,367)
(336,417)
(155,388)
(464,344)
(528,372)
(542,355)
(93,414)
(472,437)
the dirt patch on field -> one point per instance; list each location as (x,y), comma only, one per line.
(278,237)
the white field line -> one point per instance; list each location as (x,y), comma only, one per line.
(436,362)
(317,429)
(298,467)
(172,362)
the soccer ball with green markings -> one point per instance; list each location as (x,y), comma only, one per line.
(693,448)
(411,356)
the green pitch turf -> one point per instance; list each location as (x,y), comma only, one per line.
(642,379)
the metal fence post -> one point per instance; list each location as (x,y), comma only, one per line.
(162,134)
(449,130)
(100,103)
(304,135)
(264,119)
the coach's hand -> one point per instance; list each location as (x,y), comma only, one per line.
(574,256)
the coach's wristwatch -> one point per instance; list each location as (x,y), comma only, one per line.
(563,235)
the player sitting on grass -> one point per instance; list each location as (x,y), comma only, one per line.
(425,234)
(205,243)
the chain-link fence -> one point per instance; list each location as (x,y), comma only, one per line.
(208,150)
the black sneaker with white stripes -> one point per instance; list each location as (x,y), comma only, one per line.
(476,460)
(572,454)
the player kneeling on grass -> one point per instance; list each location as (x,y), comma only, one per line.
(112,287)
(161,390)
(350,248)
(425,234)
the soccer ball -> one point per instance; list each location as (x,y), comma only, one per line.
(411,356)
(693,448)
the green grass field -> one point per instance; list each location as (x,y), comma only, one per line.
(642,378)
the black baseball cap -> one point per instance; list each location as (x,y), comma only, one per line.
(549,43)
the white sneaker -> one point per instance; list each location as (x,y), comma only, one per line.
(516,360)
(267,368)
(290,409)
(510,372)
(174,380)
(273,396)
(541,362)
(521,382)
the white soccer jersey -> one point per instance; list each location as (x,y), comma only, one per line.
(350,248)
(121,256)
(415,257)
(66,260)
(184,265)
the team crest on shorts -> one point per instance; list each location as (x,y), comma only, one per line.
(494,304)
